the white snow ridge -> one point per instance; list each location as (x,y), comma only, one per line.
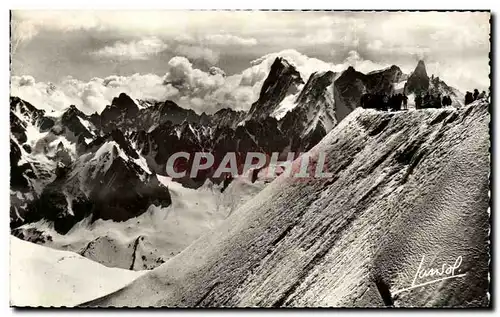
(41,276)
(409,193)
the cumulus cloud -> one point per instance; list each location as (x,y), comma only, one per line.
(216,70)
(194,88)
(186,85)
(40,94)
(211,91)
(90,96)
(206,91)
(189,80)
(26,80)
(134,50)
(194,52)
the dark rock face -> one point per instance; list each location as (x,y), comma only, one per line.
(121,194)
(17,172)
(26,110)
(314,90)
(314,115)
(55,205)
(351,85)
(227,117)
(101,183)
(70,120)
(111,188)
(18,128)
(418,82)
(282,80)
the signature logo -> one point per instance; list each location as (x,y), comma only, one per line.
(445,272)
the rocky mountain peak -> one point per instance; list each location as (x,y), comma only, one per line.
(420,68)
(418,82)
(316,86)
(283,80)
(73,111)
(123,101)
(281,76)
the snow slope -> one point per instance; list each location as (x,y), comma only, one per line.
(146,241)
(40,276)
(405,185)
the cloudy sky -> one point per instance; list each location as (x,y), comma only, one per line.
(86,57)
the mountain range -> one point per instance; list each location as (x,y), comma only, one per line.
(403,222)
(75,167)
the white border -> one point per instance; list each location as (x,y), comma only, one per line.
(195,4)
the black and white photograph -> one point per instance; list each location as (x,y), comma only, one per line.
(250,158)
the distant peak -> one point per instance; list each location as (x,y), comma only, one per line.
(418,82)
(349,72)
(281,61)
(125,102)
(122,97)
(326,74)
(73,110)
(420,67)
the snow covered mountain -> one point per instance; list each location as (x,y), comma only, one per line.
(72,173)
(408,189)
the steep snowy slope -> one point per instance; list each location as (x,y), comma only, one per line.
(406,187)
(40,276)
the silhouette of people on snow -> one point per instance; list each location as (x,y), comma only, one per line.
(427,100)
(437,101)
(468,98)
(398,102)
(418,102)
(384,102)
(476,94)
(446,101)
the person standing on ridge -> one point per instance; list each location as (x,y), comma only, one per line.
(476,94)
(418,102)
(385,102)
(405,102)
(468,98)
(427,100)
(446,101)
(437,101)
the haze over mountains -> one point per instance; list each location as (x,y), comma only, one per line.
(96,184)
